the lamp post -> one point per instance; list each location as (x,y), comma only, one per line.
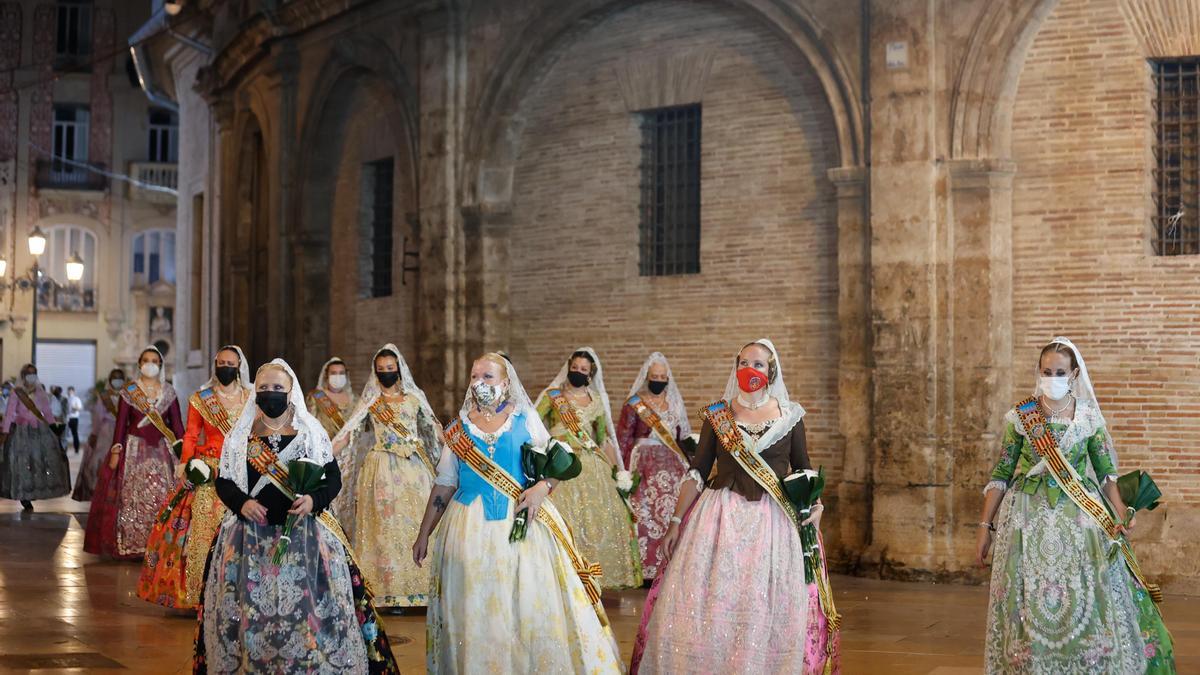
(32,278)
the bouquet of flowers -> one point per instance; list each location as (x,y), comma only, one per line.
(198,472)
(305,476)
(555,461)
(627,482)
(1138,491)
(803,489)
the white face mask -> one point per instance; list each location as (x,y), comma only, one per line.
(150,369)
(117,383)
(31,379)
(337,382)
(487,395)
(1055,388)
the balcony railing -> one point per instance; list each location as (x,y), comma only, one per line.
(160,174)
(53,174)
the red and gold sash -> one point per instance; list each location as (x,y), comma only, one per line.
(329,407)
(570,419)
(110,403)
(383,412)
(266,462)
(206,403)
(720,417)
(138,399)
(29,404)
(1046,446)
(652,420)
(461,444)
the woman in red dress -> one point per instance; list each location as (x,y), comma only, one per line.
(137,478)
(173,570)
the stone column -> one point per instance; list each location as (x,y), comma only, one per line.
(853,498)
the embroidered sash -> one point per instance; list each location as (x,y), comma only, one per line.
(138,399)
(329,407)
(461,444)
(651,419)
(206,403)
(110,403)
(1068,478)
(383,412)
(32,407)
(570,419)
(720,417)
(264,461)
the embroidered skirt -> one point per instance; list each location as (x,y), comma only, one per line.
(33,465)
(602,525)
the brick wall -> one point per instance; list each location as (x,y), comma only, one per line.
(768,251)
(1082,261)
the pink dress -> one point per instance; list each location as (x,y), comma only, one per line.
(661,469)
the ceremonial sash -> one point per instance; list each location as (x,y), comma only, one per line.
(1068,478)
(652,420)
(206,403)
(138,399)
(110,404)
(264,461)
(331,409)
(384,413)
(570,419)
(720,417)
(32,407)
(461,444)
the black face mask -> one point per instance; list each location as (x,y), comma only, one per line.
(388,378)
(226,374)
(578,379)
(656,387)
(272,403)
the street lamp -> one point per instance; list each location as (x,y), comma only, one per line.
(32,278)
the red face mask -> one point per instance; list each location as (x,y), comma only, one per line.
(751,380)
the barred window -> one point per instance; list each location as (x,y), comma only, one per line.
(1176,220)
(376,273)
(669,240)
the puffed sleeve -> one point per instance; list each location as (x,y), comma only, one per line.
(447,469)
(1010,453)
(705,457)
(1100,451)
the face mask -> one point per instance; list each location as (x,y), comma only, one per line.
(388,379)
(1055,388)
(487,395)
(117,383)
(150,369)
(226,374)
(272,403)
(578,379)
(337,382)
(657,387)
(31,379)
(751,380)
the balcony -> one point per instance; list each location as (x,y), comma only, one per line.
(159,174)
(53,174)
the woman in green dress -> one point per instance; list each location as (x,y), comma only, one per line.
(1067,595)
(576,410)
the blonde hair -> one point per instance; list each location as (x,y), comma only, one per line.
(273,366)
(772,367)
(498,359)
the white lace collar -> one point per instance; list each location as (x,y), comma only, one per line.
(1085,424)
(480,433)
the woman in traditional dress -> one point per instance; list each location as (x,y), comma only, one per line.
(311,612)
(173,570)
(33,464)
(389,470)
(333,399)
(1067,595)
(734,591)
(576,410)
(653,432)
(530,606)
(140,471)
(100,440)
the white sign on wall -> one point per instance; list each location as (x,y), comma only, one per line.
(897,55)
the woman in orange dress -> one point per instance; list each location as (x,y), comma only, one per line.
(173,570)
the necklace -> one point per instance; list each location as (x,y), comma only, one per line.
(1052,411)
(273,427)
(752,405)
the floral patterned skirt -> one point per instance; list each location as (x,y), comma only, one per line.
(602,525)
(391,492)
(310,614)
(502,607)
(33,464)
(173,570)
(654,502)
(733,595)
(1063,601)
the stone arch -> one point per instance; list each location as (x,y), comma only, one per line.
(985,85)
(493,126)
(358,69)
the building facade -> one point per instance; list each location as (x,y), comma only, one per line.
(86,159)
(910,197)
